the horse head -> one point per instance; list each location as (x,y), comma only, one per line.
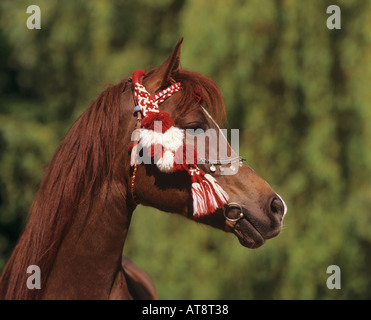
(247,207)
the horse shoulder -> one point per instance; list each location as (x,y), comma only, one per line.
(139,283)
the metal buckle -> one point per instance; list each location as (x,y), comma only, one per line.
(233,204)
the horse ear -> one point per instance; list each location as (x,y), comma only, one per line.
(171,65)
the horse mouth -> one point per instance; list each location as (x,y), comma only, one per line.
(247,234)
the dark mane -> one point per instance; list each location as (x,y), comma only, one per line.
(80,165)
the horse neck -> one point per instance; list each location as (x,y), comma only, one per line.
(89,257)
(80,217)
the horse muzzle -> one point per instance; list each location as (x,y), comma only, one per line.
(251,229)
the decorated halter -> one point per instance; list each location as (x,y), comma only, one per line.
(166,148)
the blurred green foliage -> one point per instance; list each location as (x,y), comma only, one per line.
(298,92)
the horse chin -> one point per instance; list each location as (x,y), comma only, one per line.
(248,235)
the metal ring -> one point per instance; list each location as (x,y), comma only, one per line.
(236,205)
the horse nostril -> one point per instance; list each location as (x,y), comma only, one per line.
(278,206)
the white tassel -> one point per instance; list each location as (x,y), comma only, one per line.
(219,191)
(166,163)
(207,196)
(146,138)
(199,205)
(210,199)
(173,138)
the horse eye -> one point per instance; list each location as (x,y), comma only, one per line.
(194,128)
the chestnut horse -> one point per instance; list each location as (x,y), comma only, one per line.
(80,217)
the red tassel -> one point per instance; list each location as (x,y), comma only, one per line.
(199,207)
(221,196)
(207,193)
(211,202)
(149,120)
